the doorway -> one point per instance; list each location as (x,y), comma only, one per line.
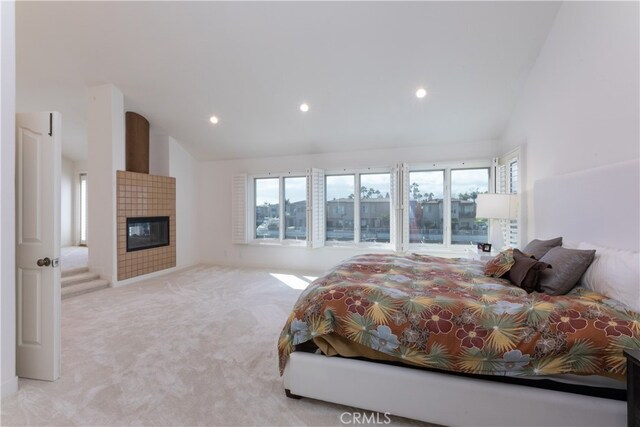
(82,241)
(73,216)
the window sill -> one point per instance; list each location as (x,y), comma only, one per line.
(286,243)
(380,247)
(353,245)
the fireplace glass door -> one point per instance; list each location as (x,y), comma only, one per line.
(147,233)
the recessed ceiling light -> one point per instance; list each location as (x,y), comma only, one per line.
(304,107)
(421,93)
(214,120)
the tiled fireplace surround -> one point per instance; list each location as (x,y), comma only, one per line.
(144,195)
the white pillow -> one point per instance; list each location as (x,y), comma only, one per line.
(614,273)
(569,244)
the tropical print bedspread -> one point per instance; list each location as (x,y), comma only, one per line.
(445,314)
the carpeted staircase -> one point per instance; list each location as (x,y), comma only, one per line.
(79,281)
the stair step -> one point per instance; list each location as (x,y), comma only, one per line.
(83,288)
(74,271)
(78,278)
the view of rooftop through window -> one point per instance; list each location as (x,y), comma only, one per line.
(375,207)
(426,218)
(426,208)
(267,202)
(466,184)
(339,207)
(295,208)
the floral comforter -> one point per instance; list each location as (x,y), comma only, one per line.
(445,314)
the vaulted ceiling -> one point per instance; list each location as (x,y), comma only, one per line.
(252,64)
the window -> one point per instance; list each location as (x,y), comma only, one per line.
(426,207)
(466,184)
(441,205)
(340,200)
(363,216)
(267,203)
(280,208)
(375,208)
(295,208)
(402,208)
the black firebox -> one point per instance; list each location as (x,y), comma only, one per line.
(147,232)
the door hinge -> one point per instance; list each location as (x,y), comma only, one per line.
(50,124)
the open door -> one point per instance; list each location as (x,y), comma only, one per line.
(38,157)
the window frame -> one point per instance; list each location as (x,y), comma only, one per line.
(356,243)
(447,167)
(251,197)
(398,233)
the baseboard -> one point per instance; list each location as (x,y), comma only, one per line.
(117,284)
(9,387)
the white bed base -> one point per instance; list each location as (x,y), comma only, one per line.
(443,399)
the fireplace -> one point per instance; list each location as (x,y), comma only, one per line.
(147,233)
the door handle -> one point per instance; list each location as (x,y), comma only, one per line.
(44,262)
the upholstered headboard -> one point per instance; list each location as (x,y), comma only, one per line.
(600,205)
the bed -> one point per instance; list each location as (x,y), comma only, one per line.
(435,340)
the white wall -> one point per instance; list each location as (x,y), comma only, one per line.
(8,379)
(67,194)
(158,153)
(106,155)
(579,108)
(214,229)
(184,168)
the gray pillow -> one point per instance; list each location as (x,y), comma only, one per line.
(538,248)
(568,265)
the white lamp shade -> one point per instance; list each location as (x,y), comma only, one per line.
(497,206)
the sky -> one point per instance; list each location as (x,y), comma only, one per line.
(267,190)
(341,186)
(462,181)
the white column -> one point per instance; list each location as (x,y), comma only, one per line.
(8,377)
(106,135)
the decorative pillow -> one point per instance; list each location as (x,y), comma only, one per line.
(525,272)
(568,266)
(615,274)
(538,248)
(499,265)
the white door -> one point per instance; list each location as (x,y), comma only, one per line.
(38,165)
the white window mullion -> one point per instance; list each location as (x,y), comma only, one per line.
(403,206)
(395,211)
(447,209)
(356,208)
(309,208)
(281,207)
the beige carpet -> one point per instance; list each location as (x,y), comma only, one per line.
(72,257)
(196,347)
